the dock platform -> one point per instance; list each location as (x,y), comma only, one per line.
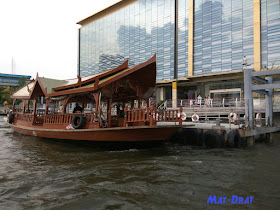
(225,134)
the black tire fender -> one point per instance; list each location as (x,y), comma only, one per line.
(79,121)
(233,138)
(212,139)
(191,136)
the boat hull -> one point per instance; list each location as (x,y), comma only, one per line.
(129,134)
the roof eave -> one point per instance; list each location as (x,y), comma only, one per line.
(104,12)
(124,65)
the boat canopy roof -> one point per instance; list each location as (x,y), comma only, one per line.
(120,83)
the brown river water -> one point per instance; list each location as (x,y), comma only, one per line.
(38,173)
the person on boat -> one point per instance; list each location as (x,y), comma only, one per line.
(120,111)
(78,109)
(199,100)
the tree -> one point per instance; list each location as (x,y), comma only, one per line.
(5,95)
(21,81)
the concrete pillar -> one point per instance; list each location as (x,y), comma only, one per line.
(162,94)
(174,95)
(268,104)
(249,109)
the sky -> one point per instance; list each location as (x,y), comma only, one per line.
(42,35)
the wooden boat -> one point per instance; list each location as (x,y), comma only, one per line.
(114,107)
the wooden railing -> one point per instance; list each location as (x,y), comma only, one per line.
(135,117)
(167,115)
(40,112)
(25,117)
(151,115)
(91,117)
(17,110)
(58,118)
(66,118)
(138,115)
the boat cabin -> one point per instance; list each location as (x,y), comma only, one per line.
(115,98)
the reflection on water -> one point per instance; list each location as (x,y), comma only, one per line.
(44,174)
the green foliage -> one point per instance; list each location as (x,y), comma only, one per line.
(5,95)
(21,81)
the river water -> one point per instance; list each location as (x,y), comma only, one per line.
(45,174)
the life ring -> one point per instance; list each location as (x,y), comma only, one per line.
(195,118)
(232,117)
(258,117)
(11,118)
(79,121)
(183,116)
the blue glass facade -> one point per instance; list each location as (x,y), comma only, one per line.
(270,33)
(135,32)
(11,79)
(223,33)
(183,25)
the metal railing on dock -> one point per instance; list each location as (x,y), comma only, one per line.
(220,104)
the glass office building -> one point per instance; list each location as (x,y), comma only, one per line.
(135,32)
(11,79)
(270,33)
(221,33)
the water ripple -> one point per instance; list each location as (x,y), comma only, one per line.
(37,173)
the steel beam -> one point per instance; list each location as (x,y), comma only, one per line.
(266,86)
(265,73)
(276,93)
(259,79)
(263,92)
